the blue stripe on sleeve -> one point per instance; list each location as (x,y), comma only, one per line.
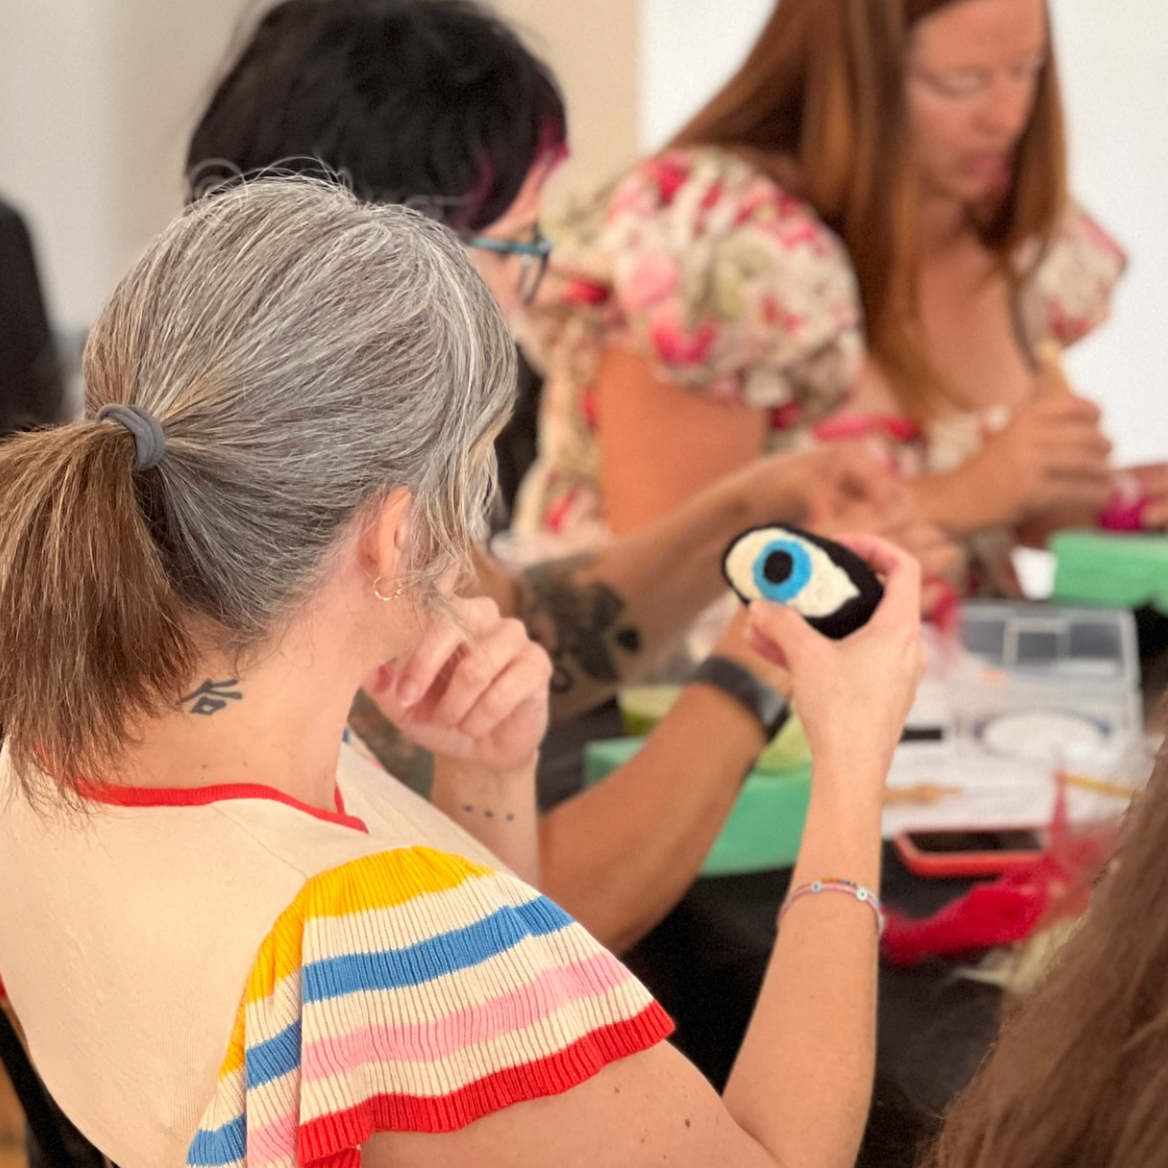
(214,1149)
(274,1057)
(427,960)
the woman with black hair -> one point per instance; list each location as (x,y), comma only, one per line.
(31,392)
(439,105)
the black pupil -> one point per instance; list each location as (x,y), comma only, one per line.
(778,567)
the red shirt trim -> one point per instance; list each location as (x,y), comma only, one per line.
(332,1139)
(119,796)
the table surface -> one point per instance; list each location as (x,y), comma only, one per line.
(706,960)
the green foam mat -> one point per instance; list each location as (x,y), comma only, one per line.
(765,827)
(1120,571)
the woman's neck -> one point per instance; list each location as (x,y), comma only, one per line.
(942,224)
(277,721)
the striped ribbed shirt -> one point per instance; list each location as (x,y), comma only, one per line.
(272,984)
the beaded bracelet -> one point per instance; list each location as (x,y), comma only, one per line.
(849,887)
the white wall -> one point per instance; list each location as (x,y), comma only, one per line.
(96,100)
(1115,71)
(593,46)
(689,47)
(56,141)
(97,97)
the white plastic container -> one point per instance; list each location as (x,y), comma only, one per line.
(1050,683)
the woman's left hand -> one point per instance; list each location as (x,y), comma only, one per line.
(475,690)
(900,521)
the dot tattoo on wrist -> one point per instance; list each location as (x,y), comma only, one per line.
(488,813)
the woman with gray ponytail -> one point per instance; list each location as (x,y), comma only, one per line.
(252,402)
(280,481)
(231,941)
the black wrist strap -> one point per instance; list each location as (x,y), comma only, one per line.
(766,704)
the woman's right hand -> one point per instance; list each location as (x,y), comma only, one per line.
(475,689)
(853,695)
(900,521)
(1050,457)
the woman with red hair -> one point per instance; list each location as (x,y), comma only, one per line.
(871,214)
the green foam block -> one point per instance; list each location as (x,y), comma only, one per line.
(1116,570)
(765,827)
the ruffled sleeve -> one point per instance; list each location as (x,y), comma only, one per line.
(731,286)
(1069,294)
(413,991)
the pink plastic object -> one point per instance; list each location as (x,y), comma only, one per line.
(1125,509)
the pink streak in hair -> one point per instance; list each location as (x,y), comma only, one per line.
(551,150)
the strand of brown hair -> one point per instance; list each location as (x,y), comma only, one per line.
(92,635)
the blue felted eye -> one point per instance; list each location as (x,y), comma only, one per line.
(782,570)
(789,567)
(824,582)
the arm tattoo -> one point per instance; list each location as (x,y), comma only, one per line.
(577,621)
(488,812)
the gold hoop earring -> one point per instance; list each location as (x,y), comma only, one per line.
(396,594)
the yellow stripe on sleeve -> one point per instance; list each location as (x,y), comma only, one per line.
(381,880)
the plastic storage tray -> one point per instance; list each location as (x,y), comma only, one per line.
(1034,664)
(1044,681)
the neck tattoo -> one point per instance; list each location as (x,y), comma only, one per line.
(211,697)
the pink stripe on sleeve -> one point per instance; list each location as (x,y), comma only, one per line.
(430,1041)
(269,1143)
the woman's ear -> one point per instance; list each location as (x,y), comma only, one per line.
(385,544)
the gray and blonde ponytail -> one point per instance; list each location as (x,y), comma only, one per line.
(304,355)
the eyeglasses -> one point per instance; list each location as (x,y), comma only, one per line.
(533,258)
(968,86)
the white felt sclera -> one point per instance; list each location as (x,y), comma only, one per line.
(818,587)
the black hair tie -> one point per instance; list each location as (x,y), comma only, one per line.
(149,440)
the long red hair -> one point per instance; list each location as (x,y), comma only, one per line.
(823,88)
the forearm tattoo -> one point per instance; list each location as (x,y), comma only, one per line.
(578,622)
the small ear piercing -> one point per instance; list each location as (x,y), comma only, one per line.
(396,594)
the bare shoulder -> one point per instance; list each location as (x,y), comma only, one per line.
(872,394)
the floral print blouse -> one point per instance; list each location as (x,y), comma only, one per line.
(734,289)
